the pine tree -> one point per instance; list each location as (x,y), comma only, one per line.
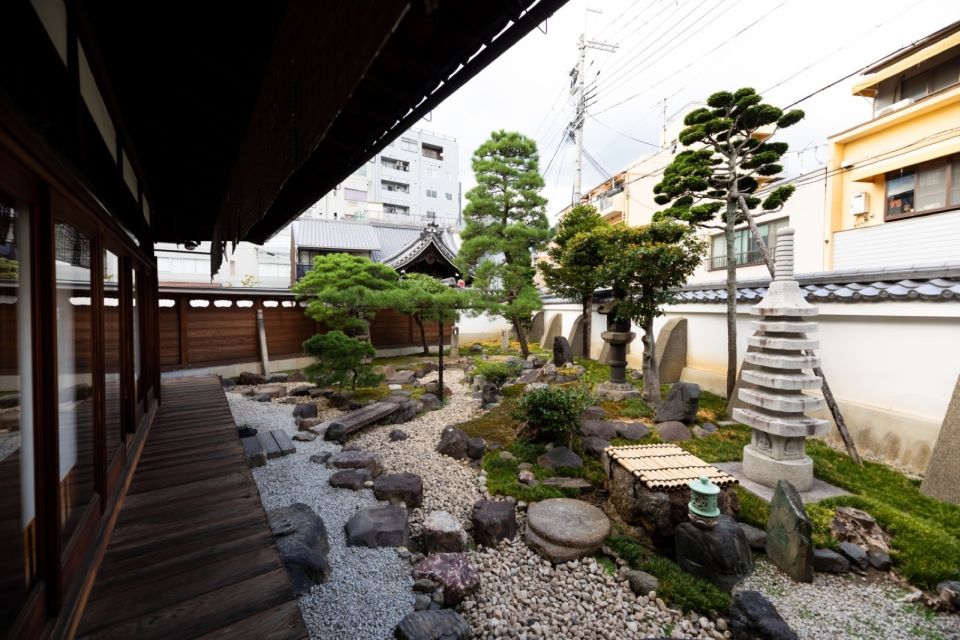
(506,224)
(575,274)
(426,299)
(719,175)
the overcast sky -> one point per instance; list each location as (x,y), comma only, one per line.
(680,51)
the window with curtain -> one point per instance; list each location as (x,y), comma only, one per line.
(746,251)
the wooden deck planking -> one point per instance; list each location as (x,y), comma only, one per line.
(192,555)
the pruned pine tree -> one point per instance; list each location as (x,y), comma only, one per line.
(426,299)
(718,175)
(575,274)
(506,225)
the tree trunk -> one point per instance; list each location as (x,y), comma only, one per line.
(651,375)
(757,238)
(521,336)
(586,324)
(423,335)
(730,233)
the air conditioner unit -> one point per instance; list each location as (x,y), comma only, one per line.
(860,204)
(906,102)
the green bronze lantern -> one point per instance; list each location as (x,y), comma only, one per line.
(703,509)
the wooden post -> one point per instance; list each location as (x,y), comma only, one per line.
(262,335)
(837,416)
(182,303)
(440,361)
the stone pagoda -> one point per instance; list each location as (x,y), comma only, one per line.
(773,381)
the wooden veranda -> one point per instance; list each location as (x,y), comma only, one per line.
(192,554)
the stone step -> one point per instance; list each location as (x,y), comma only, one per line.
(794,403)
(784,326)
(778,361)
(284,443)
(253,450)
(785,343)
(781,425)
(786,381)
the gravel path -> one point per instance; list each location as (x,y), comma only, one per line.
(845,606)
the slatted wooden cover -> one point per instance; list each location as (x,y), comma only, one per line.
(666,467)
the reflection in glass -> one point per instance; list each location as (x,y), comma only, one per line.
(75,375)
(17,499)
(111,352)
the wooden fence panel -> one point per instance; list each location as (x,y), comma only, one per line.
(221,335)
(169,320)
(286,329)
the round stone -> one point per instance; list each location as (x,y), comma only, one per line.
(562,529)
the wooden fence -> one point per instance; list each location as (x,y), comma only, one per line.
(219,327)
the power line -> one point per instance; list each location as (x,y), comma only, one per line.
(621,133)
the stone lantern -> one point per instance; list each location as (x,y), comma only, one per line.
(618,336)
(773,391)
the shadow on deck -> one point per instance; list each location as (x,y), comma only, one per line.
(192,554)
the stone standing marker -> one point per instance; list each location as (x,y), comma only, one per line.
(774,391)
(789,544)
(941,479)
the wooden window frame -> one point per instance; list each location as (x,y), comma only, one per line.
(948,163)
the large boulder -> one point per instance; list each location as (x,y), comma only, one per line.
(442,624)
(681,404)
(400,487)
(562,529)
(301,539)
(829,561)
(949,593)
(753,617)
(442,533)
(305,410)
(558,457)
(489,394)
(369,460)
(594,447)
(594,412)
(493,521)
(598,429)
(562,353)
(353,479)
(475,448)
(430,402)
(674,431)
(631,430)
(453,572)
(434,388)
(401,377)
(250,378)
(385,526)
(719,554)
(408,411)
(453,443)
(789,531)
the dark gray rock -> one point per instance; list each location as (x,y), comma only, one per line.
(304,436)
(855,554)
(528,376)
(385,526)
(949,592)
(709,427)
(592,413)
(681,403)
(489,394)
(475,448)
(594,447)
(226,383)
(631,430)
(673,431)
(353,459)
(452,572)
(350,479)
(562,353)
(401,377)
(430,402)
(559,457)
(641,582)
(301,391)
(475,348)
(246,431)
(493,521)
(879,560)
(421,602)
(753,617)
(442,533)
(434,388)
(305,410)
(277,377)
(296,376)
(396,435)
(424,585)
(720,555)
(756,538)
(453,443)
(400,487)
(320,458)
(829,561)
(250,378)
(598,429)
(442,624)
(407,411)
(301,539)
(789,531)
(307,424)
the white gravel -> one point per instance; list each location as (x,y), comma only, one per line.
(845,606)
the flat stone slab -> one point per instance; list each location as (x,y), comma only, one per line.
(821,490)
(562,529)
(371,461)
(353,479)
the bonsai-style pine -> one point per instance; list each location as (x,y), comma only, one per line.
(426,299)
(340,360)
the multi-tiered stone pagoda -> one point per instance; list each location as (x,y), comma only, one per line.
(773,381)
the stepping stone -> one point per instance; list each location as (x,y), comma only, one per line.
(253,450)
(400,487)
(443,533)
(559,457)
(284,443)
(575,484)
(354,421)
(445,624)
(452,572)
(379,527)
(562,529)
(354,479)
(493,521)
(269,444)
(372,462)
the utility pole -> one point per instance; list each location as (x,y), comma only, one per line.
(578,90)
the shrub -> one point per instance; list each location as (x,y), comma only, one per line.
(340,359)
(552,412)
(497,372)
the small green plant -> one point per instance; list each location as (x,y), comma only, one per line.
(552,412)
(497,372)
(9,269)
(340,360)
